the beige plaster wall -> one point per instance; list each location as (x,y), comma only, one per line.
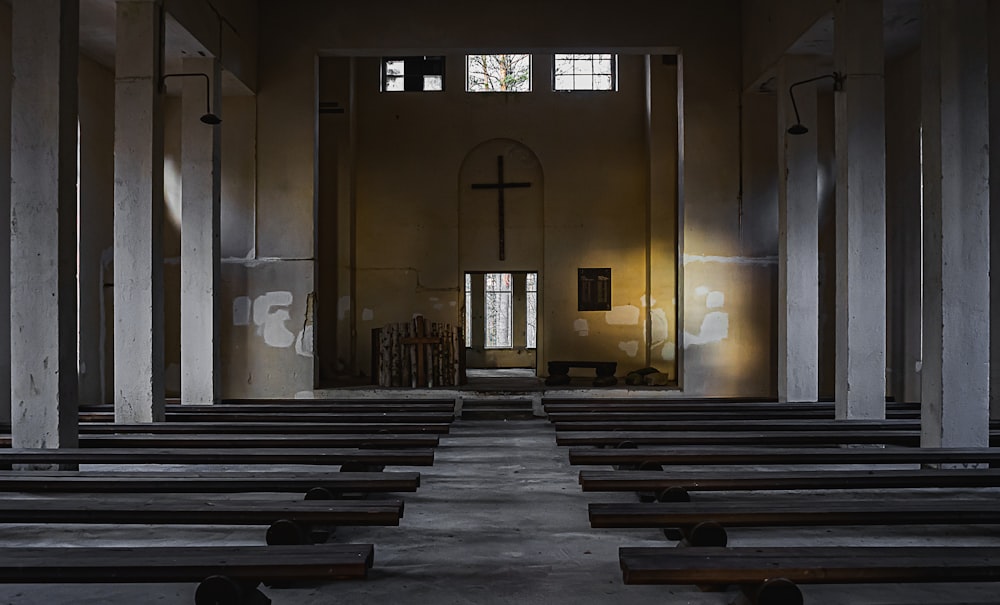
(707,35)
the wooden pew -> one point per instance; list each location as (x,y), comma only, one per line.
(289,428)
(769,575)
(746,456)
(235,440)
(290,522)
(233,456)
(313,484)
(283,417)
(711,424)
(697,405)
(747,438)
(301,406)
(674,485)
(669,416)
(227,574)
(704,523)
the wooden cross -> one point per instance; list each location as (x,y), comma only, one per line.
(419,341)
(500,185)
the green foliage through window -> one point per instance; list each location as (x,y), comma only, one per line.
(498,73)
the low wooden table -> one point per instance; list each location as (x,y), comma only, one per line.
(559,372)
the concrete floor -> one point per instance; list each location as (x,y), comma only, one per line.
(498,519)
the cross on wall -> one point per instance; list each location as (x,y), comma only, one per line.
(500,186)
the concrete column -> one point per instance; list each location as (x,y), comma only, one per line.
(201,193)
(860,148)
(45,49)
(955,101)
(138,285)
(798,237)
(5,91)
(994,42)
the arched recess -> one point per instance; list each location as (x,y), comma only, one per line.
(501,230)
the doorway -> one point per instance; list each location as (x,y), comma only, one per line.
(501,319)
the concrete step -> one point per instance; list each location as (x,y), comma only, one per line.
(497,409)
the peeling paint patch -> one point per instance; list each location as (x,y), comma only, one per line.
(669,352)
(630,347)
(271,323)
(304,342)
(701,291)
(343,306)
(651,303)
(241,311)
(731,260)
(715,300)
(305,395)
(714,328)
(581,327)
(661,326)
(367,314)
(438,306)
(627,315)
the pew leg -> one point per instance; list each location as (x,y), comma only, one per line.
(707,533)
(223,590)
(776,591)
(285,532)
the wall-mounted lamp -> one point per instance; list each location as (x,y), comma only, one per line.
(209,117)
(838,84)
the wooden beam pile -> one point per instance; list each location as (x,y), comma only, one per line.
(420,353)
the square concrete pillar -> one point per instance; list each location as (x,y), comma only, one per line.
(201,198)
(45,55)
(861,257)
(994,67)
(955,102)
(5,91)
(798,236)
(138,285)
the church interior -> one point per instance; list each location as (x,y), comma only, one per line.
(737,251)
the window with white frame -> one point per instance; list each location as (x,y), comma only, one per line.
(412,74)
(532,321)
(585,72)
(498,73)
(499,311)
(490,298)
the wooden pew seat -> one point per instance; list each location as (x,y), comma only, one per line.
(290,522)
(769,575)
(233,456)
(759,456)
(704,523)
(282,417)
(251,428)
(334,483)
(227,574)
(746,438)
(274,440)
(679,483)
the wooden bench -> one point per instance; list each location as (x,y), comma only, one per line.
(289,428)
(234,456)
(314,485)
(290,522)
(704,523)
(301,406)
(227,574)
(740,456)
(670,416)
(674,486)
(283,417)
(236,440)
(696,405)
(747,438)
(605,370)
(780,424)
(768,575)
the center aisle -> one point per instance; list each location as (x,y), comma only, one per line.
(499,518)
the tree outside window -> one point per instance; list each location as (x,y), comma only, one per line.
(499,73)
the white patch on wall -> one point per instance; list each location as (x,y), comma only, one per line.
(715,300)
(438,306)
(433,299)
(669,352)
(581,327)
(305,395)
(651,303)
(304,342)
(343,306)
(631,347)
(367,314)
(270,314)
(701,291)
(241,311)
(731,260)
(714,328)
(627,315)
(661,327)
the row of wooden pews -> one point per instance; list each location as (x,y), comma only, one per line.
(242,442)
(752,455)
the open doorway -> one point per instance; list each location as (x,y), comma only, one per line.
(501,319)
